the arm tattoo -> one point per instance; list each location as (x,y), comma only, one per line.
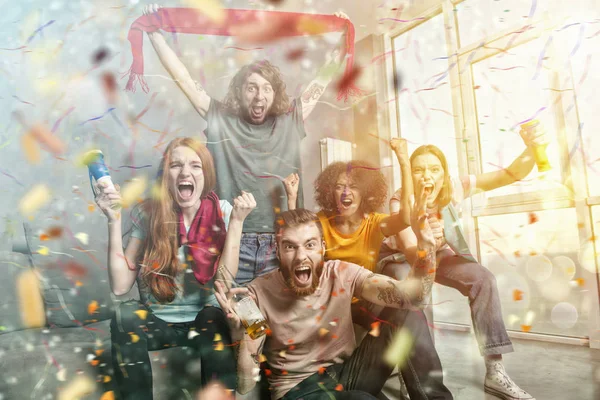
(391,295)
(312,93)
(199,86)
(424,269)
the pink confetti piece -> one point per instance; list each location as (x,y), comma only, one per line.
(145,110)
(23,101)
(400,20)
(10,176)
(59,120)
(16,48)
(243,49)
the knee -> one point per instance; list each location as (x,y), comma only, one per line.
(126,317)
(486,281)
(396,270)
(212,319)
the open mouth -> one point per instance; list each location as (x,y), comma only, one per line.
(257,112)
(303,274)
(428,188)
(186,189)
(346,202)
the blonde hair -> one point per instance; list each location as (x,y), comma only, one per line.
(445,195)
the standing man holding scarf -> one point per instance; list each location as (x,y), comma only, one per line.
(255,132)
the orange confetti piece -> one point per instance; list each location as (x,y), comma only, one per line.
(107,395)
(31,304)
(262,358)
(421,253)
(525,328)
(47,139)
(580,282)
(99,352)
(94,362)
(268,332)
(517,253)
(93,307)
(375,329)
(30,148)
(517,295)
(79,284)
(44,237)
(284,372)
(267,372)
(533,218)
(91,207)
(339,387)
(323,332)
(321,370)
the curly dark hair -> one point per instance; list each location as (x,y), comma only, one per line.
(366,176)
(281,101)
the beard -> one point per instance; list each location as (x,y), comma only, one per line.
(301,292)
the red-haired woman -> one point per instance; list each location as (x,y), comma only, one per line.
(175,246)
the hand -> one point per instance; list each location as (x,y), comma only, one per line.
(224,299)
(334,57)
(535,136)
(108,200)
(151,9)
(418,219)
(400,147)
(242,206)
(291,183)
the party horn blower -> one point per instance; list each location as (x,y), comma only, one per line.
(539,150)
(94,159)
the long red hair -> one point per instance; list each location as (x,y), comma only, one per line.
(160,247)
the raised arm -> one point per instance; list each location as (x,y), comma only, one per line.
(230,257)
(191,88)
(384,291)
(399,221)
(517,170)
(248,350)
(291,183)
(316,88)
(122,268)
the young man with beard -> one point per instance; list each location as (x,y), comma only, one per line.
(311,350)
(254,135)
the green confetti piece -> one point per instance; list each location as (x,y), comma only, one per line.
(2,328)
(502,130)
(399,350)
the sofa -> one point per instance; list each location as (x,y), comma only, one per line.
(63,350)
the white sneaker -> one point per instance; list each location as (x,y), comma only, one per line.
(500,385)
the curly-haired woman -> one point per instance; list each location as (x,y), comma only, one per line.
(350,195)
(176,242)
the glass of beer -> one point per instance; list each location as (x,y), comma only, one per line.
(255,323)
(539,150)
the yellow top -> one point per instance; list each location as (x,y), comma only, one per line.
(361,247)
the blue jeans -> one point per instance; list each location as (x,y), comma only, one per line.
(257,256)
(476,283)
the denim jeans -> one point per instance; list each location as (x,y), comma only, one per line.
(363,375)
(129,353)
(257,256)
(478,284)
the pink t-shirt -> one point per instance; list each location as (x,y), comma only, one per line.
(308,332)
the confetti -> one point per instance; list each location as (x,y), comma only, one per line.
(92,308)
(10,176)
(30,148)
(191,334)
(110,395)
(399,349)
(100,55)
(517,295)
(134,338)
(37,197)
(38,30)
(82,237)
(132,191)
(219,346)
(217,338)
(142,314)
(31,304)
(61,375)
(99,117)
(541,59)
(78,388)
(375,329)
(323,332)
(211,8)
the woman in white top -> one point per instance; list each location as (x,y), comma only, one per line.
(176,242)
(457,268)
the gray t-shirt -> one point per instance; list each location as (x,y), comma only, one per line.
(192,296)
(254,158)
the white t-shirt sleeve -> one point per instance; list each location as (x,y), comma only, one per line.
(462,190)
(226,209)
